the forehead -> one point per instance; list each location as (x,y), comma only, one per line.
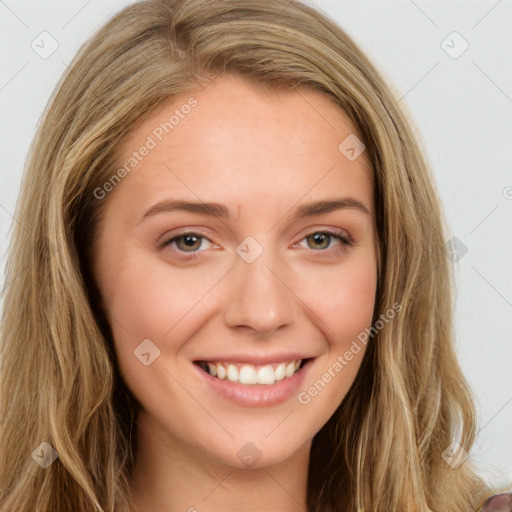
(240,141)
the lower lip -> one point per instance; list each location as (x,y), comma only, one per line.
(257,395)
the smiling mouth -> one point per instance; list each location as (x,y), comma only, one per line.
(251,374)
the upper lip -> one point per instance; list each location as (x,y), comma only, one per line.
(255,359)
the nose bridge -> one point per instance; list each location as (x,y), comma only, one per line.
(259,297)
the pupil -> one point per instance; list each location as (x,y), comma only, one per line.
(191,239)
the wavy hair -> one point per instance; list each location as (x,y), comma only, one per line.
(59,380)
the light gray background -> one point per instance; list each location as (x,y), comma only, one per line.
(462,107)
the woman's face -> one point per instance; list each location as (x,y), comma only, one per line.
(247,285)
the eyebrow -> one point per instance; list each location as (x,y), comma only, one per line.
(221,211)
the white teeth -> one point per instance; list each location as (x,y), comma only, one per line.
(221,371)
(280,372)
(248,373)
(266,375)
(232,373)
(290,369)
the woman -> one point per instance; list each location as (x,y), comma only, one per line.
(261,372)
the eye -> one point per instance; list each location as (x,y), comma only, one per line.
(320,238)
(187,242)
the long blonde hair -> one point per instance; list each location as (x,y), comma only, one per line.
(59,381)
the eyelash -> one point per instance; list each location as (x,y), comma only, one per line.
(345,241)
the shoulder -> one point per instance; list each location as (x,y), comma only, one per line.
(498,503)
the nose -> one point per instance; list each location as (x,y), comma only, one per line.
(260,297)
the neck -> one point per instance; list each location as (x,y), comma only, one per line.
(170,476)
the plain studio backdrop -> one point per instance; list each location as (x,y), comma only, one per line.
(448,62)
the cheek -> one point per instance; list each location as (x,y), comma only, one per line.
(150,300)
(342,302)
(343,297)
(353,308)
(139,303)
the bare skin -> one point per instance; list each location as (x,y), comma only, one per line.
(262,154)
